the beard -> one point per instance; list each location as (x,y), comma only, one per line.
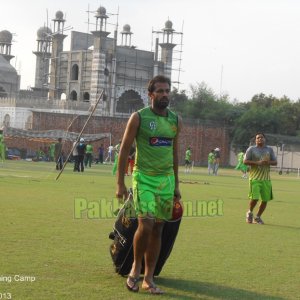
(162,103)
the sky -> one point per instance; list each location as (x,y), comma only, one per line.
(237,47)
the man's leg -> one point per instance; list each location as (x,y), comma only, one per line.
(75,163)
(249,214)
(185,168)
(261,208)
(2,153)
(140,243)
(152,253)
(266,195)
(252,204)
(60,162)
(216,169)
(81,163)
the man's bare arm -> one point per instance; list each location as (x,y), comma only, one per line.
(128,138)
(176,159)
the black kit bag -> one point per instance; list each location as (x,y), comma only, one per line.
(121,249)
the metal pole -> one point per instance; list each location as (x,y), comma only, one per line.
(80,134)
(282,154)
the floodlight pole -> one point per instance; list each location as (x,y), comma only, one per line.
(80,134)
(282,154)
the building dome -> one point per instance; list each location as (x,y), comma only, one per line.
(5,37)
(168,25)
(126,28)
(59,15)
(101,12)
(44,33)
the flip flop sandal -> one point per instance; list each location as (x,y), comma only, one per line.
(132,284)
(153,289)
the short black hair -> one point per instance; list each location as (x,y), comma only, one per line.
(158,78)
(260,134)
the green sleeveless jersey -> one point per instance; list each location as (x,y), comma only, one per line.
(154,142)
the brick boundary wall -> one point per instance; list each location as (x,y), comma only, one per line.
(201,137)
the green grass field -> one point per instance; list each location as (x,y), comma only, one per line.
(51,248)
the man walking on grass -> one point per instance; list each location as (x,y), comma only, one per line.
(259,157)
(155,178)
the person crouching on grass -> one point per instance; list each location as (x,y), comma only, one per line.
(155,182)
(259,157)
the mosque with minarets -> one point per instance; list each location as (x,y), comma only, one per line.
(103,67)
(74,79)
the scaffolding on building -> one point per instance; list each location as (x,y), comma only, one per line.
(177,38)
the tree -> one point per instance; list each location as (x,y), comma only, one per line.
(264,113)
(206,105)
(178,100)
(253,121)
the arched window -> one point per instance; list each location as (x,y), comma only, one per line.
(3,94)
(129,102)
(74,73)
(6,121)
(73,96)
(63,96)
(86,96)
(28,123)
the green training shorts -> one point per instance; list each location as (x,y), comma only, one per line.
(260,189)
(153,195)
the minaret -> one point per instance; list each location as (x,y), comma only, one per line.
(113,75)
(98,62)
(57,47)
(126,36)
(5,44)
(10,84)
(167,48)
(43,54)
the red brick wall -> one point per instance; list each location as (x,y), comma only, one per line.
(201,138)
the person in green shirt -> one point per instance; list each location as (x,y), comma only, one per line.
(58,154)
(188,160)
(2,146)
(217,158)
(240,164)
(88,155)
(155,182)
(117,150)
(51,151)
(210,162)
(259,157)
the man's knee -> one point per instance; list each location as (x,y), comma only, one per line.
(147,225)
(158,228)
